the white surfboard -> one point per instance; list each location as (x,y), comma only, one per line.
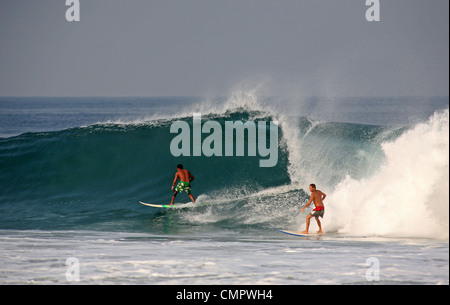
(168,206)
(158,205)
(297,233)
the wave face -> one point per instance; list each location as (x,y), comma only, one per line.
(107,168)
(380,180)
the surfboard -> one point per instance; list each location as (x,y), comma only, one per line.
(297,233)
(167,206)
(158,205)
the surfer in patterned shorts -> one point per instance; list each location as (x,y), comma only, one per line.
(318,197)
(185,183)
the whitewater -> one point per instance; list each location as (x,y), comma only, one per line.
(73,170)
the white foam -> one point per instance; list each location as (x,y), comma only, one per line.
(408,196)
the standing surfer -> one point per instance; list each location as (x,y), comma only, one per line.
(317,197)
(185,183)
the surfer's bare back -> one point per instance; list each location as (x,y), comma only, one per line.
(185,183)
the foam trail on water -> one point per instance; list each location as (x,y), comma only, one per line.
(408,196)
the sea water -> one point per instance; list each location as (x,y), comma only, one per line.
(72,171)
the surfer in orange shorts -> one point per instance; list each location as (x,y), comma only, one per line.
(317,197)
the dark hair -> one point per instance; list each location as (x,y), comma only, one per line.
(313,185)
(180,166)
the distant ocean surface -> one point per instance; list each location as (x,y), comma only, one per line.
(72,171)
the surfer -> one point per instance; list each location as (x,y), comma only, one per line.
(185,183)
(317,197)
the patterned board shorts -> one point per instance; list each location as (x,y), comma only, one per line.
(183,186)
(318,213)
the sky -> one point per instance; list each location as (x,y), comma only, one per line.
(208,47)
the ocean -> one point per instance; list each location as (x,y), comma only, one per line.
(73,170)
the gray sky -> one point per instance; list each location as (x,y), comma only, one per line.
(208,47)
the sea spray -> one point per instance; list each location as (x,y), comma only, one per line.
(408,196)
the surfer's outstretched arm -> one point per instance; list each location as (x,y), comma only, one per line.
(173,185)
(306,205)
(175,181)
